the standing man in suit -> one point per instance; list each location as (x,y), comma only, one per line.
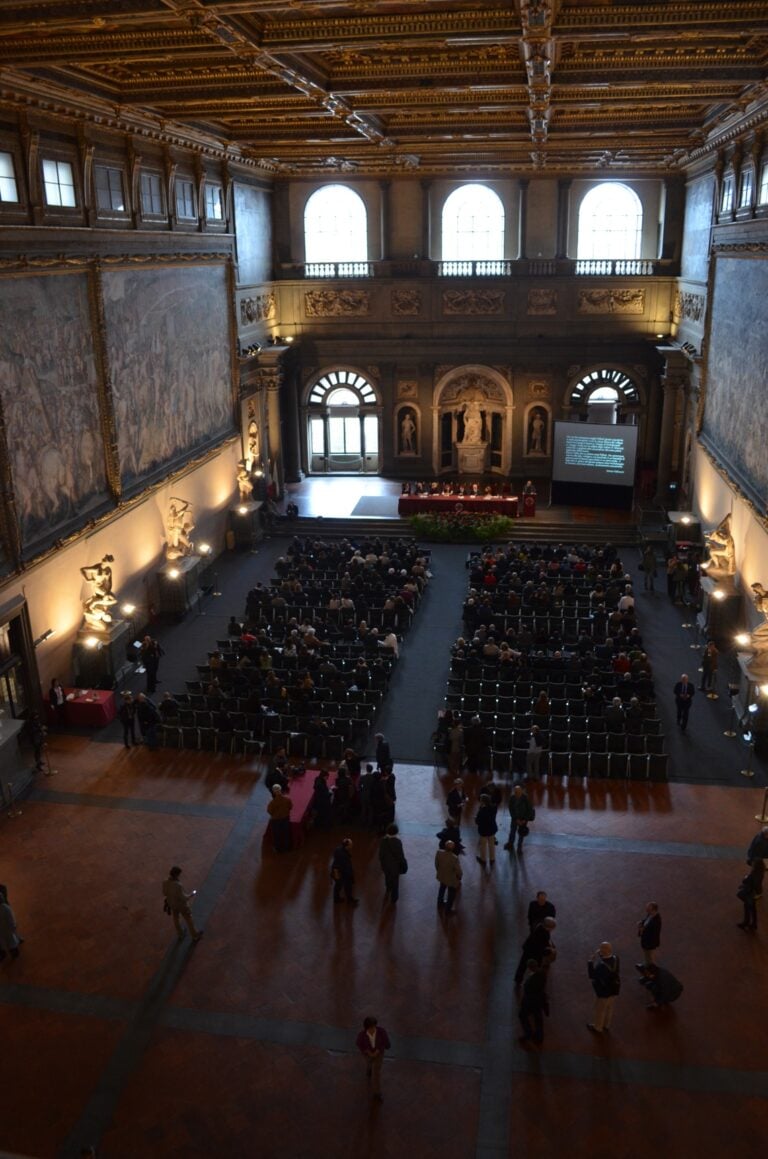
(603,969)
(684,692)
(372,1041)
(649,933)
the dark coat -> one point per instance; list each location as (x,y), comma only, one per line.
(486,821)
(536,944)
(391,856)
(342,861)
(603,972)
(537,913)
(650,932)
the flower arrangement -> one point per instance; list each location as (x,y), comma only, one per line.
(462,527)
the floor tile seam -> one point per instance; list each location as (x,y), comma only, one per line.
(584,842)
(137,804)
(642,1072)
(59,1001)
(338,1040)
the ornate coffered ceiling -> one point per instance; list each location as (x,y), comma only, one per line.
(381,86)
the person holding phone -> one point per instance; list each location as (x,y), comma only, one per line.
(177,902)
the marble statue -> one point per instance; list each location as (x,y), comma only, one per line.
(254,443)
(473,422)
(244,481)
(407,432)
(179,526)
(722,550)
(96,609)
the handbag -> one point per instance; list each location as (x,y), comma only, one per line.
(403,868)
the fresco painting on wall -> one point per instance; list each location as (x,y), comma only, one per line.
(736,417)
(50,402)
(169,357)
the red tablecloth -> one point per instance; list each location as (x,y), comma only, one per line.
(301,792)
(93,709)
(447,504)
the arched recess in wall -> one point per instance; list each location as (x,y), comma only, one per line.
(341,424)
(472,422)
(537,430)
(406,431)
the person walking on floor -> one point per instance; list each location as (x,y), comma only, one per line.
(9,934)
(522,814)
(709,661)
(485,820)
(533,754)
(456,799)
(534,1003)
(150,652)
(758,846)
(649,933)
(372,1042)
(177,904)
(383,753)
(603,971)
(127,714)
(538,946)
(684,693)
(392,862)
(343,873)
(279,809)
(448,873)
(649,567)
(749,893)
(148,718)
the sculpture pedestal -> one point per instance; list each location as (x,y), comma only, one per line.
(472,459)
(178,584)
(104,664)
(246,524)
(720,610)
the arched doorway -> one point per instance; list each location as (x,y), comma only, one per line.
(342,415)
(473,422)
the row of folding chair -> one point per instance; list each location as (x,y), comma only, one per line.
(558,705)
(504,740)
(617,766)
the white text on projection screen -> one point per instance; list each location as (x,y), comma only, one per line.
(592,453)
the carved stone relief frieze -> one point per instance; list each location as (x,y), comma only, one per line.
(407,388)
(406,302)
(541,302)
(473,301)
(336,303)
(611,301)
(689,306)
(539,390)
(262,307)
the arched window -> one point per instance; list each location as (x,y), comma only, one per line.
(473,225)
(610,223)
(335,226)
(343,427)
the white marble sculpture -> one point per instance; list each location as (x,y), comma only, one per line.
(473,423)
(96,608)
(722,550)
(179,525)
(244,481)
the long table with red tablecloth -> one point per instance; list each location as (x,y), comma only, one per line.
(451,504)
(85,708)
(301,791)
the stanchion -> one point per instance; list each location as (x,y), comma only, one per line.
(730,730)
(9,798)
(48,771)
(762,816)
(749,771)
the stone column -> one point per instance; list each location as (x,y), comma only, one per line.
(425,219)
(291,427)
(563,204)
(673,380)
(524,187)
(384,187)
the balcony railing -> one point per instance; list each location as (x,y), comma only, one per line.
(518,268)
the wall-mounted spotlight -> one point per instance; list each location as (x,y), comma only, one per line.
(205,548)
(128,609)
(45,636)
(93,642)
(242,509)
(173,573)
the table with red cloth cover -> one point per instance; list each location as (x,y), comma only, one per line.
(86,708)
(463,504)
(301,791)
